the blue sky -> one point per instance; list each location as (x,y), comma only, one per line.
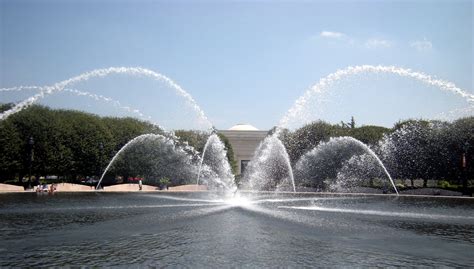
(247,61)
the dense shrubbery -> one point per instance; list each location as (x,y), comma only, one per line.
(66,143)
(307,137)
(413,149)
(154,157)
(75,145)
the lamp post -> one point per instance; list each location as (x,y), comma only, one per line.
(31,142)
(101,150)
(464,167)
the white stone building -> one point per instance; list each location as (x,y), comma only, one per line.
(244,139)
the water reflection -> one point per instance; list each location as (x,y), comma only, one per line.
(100,229)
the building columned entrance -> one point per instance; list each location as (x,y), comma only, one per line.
(244,139)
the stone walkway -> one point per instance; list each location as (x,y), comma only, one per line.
(70,187)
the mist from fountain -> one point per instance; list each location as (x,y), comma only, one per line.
(217,169)
(420,148)
(136,71)
(174,155)
(270,167)
(20,88)
(361,173)
(208,141)
(297,113)
(326,160)
(96,97)
(271,157)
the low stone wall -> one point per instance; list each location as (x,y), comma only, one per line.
(70,187)
(129,187)
(189,187)
(134,187)
(10,188)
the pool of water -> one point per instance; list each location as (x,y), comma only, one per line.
(250,230)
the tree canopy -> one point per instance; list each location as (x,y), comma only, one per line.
(74,145)
(412,149)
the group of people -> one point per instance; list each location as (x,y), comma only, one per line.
(44,188)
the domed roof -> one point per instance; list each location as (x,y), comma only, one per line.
(243,127)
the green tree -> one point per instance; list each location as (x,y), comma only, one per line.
(230,153)
(307,137)
(5,107)
(67,143)
(11,151)
(155,157)
(369,134)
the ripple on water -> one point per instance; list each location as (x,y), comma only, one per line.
(136,231)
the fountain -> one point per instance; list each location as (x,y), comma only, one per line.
(166,149)
(100,73)
(219,171)
(96,97)
(270,168)
(298,112)
(327,159)
(277,226)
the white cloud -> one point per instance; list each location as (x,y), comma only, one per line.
(329,34)
(340,37)
(422,45)
(374,43)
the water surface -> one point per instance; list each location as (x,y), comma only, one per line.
(206,230)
